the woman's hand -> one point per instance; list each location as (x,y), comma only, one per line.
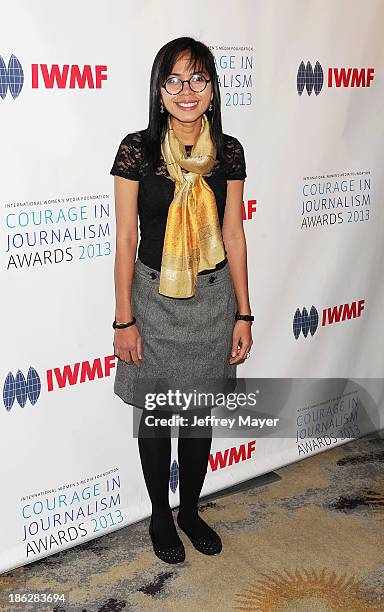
(241,341)
(128,345)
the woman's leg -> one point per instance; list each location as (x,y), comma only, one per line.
(155,455)
(193,456)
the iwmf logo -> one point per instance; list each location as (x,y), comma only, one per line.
(308,322)
(44,76)
(221,460)
(22,388)
(312,78)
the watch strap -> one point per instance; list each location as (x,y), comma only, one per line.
(123,325)
(240,317)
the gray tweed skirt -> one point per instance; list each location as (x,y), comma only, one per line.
(182,339)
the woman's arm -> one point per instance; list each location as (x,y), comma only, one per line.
(126,211)
(235,243)
(236,248)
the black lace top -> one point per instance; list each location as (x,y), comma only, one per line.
(156,190)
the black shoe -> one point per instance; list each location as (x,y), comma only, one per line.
(211,546)
(170,554)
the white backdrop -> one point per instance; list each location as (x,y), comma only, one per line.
(70,470)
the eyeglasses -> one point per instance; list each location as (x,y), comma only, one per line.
(197,83)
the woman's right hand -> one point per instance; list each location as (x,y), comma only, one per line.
(128,345)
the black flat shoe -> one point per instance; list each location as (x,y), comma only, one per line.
(211,546)
(170,554)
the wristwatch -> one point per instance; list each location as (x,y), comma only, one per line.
(240,317)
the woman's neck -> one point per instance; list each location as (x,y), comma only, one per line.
(186,133)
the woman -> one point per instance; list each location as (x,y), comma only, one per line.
(176,304)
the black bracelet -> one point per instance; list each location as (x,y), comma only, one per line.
(123,325)
(239,317)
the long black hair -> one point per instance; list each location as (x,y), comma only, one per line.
(201,58)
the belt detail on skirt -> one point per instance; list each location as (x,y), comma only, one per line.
(152,275)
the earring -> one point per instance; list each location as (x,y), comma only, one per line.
(161,107)
(210,106)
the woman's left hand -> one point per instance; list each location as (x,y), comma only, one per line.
(241,341)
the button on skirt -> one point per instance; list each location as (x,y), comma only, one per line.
(182,339)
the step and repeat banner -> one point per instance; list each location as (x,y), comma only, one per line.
(302,90)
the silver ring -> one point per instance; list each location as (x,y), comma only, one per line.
(247,355)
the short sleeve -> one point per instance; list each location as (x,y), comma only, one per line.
(127,159)
(236,167)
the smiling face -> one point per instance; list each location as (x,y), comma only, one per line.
(188,105)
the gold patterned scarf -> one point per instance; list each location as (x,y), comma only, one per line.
(193,239)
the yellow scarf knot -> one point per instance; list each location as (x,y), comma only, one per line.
(193,239)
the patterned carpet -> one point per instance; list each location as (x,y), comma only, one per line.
(310,540)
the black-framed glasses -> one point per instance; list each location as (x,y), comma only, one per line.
(174,85)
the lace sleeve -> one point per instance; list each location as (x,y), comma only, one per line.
(236,168)
(127,160)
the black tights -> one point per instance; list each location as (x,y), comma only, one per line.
(193,454)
